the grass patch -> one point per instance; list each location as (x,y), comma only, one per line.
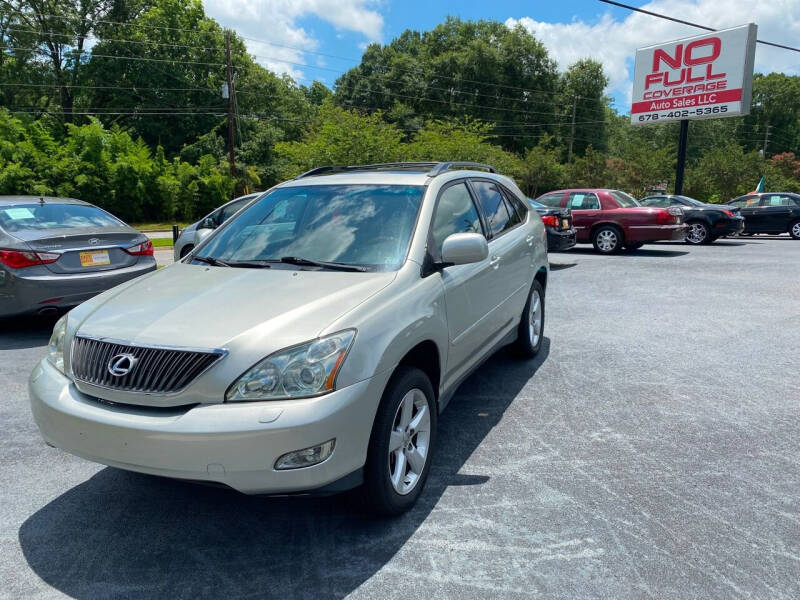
(162,242)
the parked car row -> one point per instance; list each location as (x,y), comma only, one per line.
(612,220)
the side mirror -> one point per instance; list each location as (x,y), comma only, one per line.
(464,249)
(207,223)
(201,234)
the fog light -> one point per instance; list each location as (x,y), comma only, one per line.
(305,457)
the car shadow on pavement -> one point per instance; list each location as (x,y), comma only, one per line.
(643,252)
(19,333)
(127,535)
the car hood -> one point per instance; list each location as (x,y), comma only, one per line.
(214,307)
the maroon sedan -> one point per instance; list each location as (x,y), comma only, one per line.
(611,220)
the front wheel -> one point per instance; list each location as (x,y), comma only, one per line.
(607,239)
(186,249)
(402,443)
(531,326)
(698,234)
(794,230)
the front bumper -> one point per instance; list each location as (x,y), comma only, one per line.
(559,240)
(23,293)
(234,444)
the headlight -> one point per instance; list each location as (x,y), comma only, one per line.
(302,371)
(55,347)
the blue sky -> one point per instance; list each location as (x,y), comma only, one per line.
(290,36)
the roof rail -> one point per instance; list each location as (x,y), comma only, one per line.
(432,168)
(447,166)
(418,166)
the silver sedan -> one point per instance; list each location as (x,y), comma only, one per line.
(57,252)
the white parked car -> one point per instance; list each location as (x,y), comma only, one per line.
(195,233)
(309,343)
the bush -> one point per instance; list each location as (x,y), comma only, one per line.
(107,167)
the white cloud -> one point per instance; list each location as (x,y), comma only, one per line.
(276,21)
(614,42)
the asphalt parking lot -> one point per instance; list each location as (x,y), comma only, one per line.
(652,450)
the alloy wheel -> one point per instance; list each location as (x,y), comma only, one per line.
(409,441)
(796,230)
(697,233)
(607,240)
(535,319)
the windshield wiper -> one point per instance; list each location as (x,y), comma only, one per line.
(305,262)
(214,262)
(240,264)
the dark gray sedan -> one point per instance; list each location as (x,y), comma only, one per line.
(56,252)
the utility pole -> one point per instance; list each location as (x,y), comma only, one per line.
(229,79)
(572,130)
(766,140)
(683,141)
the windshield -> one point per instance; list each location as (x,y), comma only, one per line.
(691,200)
(33,217)
(623,199)
(363,225)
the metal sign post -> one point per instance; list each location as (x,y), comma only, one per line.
(683,141)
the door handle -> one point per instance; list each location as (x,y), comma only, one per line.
(529,240)
(494,262)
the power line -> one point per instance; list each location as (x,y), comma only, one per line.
(117,56)
(689,23)
(414,71)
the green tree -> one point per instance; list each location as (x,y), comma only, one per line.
(340,136)
(583,86)
(477,69)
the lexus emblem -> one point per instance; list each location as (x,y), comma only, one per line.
(94,241)
(121,364)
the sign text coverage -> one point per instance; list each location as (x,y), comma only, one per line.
(700,77)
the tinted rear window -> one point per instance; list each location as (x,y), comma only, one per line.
(37,217)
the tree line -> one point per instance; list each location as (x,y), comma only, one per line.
(118,102)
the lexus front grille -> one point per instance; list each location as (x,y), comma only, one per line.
(133,368)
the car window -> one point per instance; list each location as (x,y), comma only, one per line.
(360,224)
(583,201)
(231,209)
(657,201)
(38,216)
(455,213)
(741,201)
(624,200)
(552,200)
(516,203)
(776,200)
(494,207)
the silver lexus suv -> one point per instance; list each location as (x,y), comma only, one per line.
(309,343)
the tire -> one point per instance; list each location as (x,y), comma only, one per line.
(186,249)
(531,326)
(631,246)
(698,233)
(607,239)
(794,230)
(383,494)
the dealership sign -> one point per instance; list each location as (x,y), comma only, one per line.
(700,77)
